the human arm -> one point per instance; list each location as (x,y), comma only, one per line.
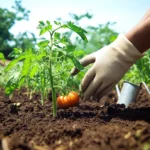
(140,35)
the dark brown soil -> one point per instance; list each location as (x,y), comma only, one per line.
(27,125)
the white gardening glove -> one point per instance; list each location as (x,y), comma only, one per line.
(110,65)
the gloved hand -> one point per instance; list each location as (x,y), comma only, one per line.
(110,65)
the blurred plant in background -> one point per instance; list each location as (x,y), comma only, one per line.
(8,19)
(140,71)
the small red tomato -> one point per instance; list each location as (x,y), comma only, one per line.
(70,100)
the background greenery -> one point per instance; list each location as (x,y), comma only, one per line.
(8,19)
(98,36)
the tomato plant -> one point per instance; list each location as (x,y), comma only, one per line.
(70,100)
(47,68)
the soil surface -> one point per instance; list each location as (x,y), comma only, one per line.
(93,125)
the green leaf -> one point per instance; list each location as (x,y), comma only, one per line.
(43,43)
(78,53)
(41,25)
(26,67)
(17,50)
(45,29)
(83,37)
(2,57)
(57,35)
(21,81)
(80,31)
(34,70)
(40,56)
(48,22)
(77,64)
(112,38)
(10,87)
(14,62)
(57,23)
(58,46)
(15,53)
(70,48)
(61,51)
(64,40)
(75,28)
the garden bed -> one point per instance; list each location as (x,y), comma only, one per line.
(26,124)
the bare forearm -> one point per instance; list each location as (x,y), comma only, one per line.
(139,36)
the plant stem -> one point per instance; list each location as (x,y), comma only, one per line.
(56,29)
(42,90)
(54,105)
(53,93)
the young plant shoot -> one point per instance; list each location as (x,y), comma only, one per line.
(47,68)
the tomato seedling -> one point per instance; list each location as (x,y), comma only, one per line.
(47,68)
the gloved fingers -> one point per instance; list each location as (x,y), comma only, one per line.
(88,77)
(101,89)
(84,61)
(90,90)
(105,91)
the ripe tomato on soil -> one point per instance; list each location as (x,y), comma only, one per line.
(70,100)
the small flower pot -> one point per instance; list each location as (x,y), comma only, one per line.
(128,93)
